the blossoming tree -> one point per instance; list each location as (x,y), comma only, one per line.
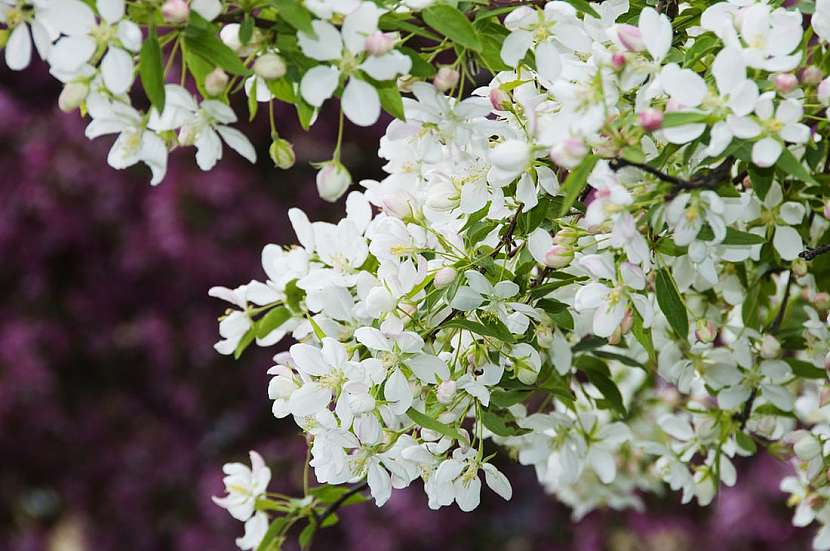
(597,249)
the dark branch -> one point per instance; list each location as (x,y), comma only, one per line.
(779,317)
(810,254)
(335,505)
(747,409)
(507,238)
(707,180)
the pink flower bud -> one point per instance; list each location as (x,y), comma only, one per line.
(827,363)
(785,82)
(627,322)
(558,256)
(269,66)
(618,61)
(175,11)
(379,43)
(444,277)
(445,392)
(651,119)
(499,99)
(332,181)
(446,78)
(823,91)
(770,347)
(826,210)
(811,75)
(568,153)
(705,331)
(216,81)
(822,301)
(630,37)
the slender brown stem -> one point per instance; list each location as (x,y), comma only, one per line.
(810,254)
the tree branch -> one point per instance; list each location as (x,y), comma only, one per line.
(507,238)
(810,254)
(706,180)
(779,317)
(747,409)
(335,505)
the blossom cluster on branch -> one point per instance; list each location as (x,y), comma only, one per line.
(607,262)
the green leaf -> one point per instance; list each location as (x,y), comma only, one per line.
(671,304)
(501,423)
(584,7)
(253,104)
(625,360)
(432,424)
(609,390)
(151,71)
(453,24)
(805,370)
(643,336)
(246,29)
(761,179)
(575,182)
(293,13)
(307,535)
(275,530)
(207,45)
(282,89)
(244,342)
(390,100)
(391,23)
(420,67)
(679,119)
(507,398)
(272,320)
(733,237)
(746,442)
(792,166)
(495,330)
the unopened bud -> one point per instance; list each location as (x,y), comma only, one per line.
(72,96)
(811,75)
(379,43)
(282,153)
(332,181)
(799,267)
(618,61)
(446,78)
(175,11)
(827,363)
(559,256)
(568,153)
(627,322)
(705,331)
(785,82)
(822,301)
(651,119)
(445,392)
(499,99)
(566,236)
(807,448)
(444,277)
(823,91)
(216,81)
(770,347)
(270,66)
(230,36)
(630,37)
(826,210)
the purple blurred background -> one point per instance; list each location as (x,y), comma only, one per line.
(116,414)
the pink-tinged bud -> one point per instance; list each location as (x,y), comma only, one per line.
(618,61)
(270,66)
(615,337)
(705,331)
(630,37)
(444,277)
(216,81)
(823,91)
(175,11)
(499,99)
(785,82)
(445,392)
(827,363)
(379,43)
(72,96)
(558,256)
(826,210)
(799,267)
(811,75)
(822,301)
(566,236)
(651,119)
(568,153)
(332,181)
(446,78)
(770,347)
(397,204)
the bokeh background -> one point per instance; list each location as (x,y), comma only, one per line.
(116,414)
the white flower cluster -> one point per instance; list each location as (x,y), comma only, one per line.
(643,320)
